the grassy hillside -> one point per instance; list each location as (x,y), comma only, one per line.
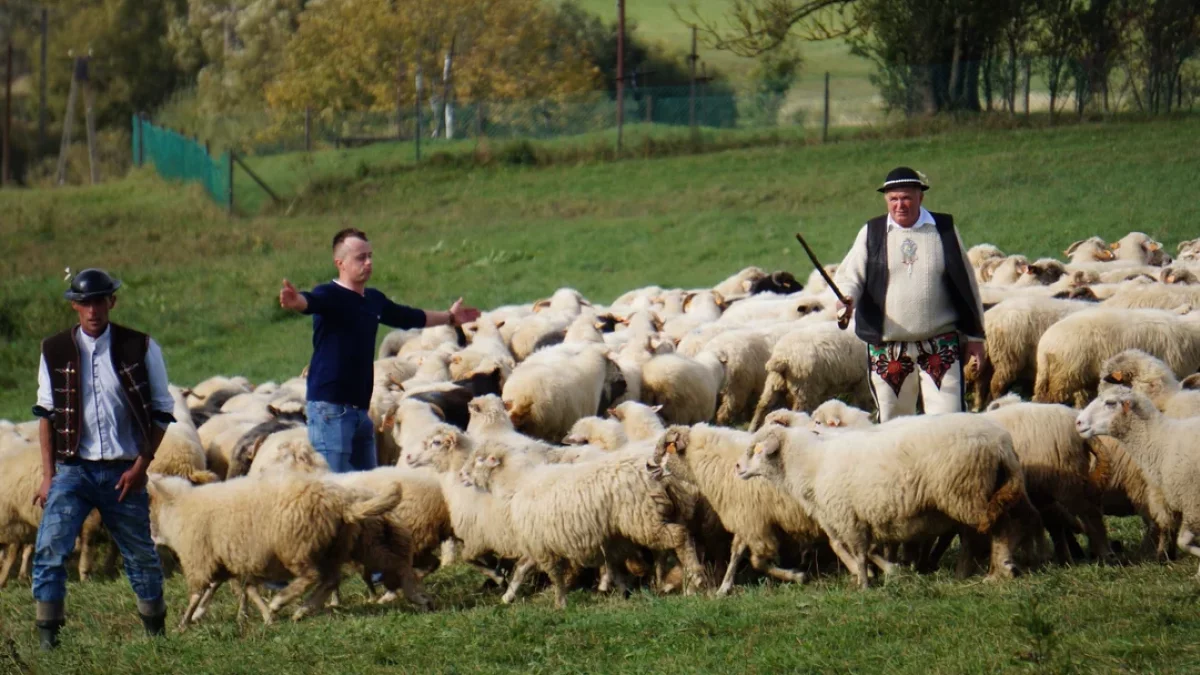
(206,287)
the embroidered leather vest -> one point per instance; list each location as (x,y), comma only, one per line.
(870,309)
(128,352)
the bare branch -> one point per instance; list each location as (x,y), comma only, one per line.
(751,27)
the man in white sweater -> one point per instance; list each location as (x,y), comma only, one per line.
(914,301)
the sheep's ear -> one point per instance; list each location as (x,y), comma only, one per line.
(1114,246)
(611,412)
(186,392)
(508,406)
(492,461)
(747,285)
(500,324)
(1117,376)
(835,422)
(1191,381)
(1151,246)
(1170,279)
(272,410)
(656,408)
(1023,267)
(767,446)
(687,300)
(721,301)
(1071,249)
(456,359)
(437,410)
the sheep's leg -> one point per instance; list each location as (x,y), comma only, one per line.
(968,550)
(193,602)
(842,553)
(1097,534)
(772,398)
(449,551)
(858,555)
(930,564)
(767,566)
(611,573)
(686,552)
(558,578)
(10,558)
(524,565)
(316,600)
(735,557)
(303,581)
(251,592)
(206,598)
(26,571)
(1004,541)
(886,566)
(488,572)
(1184,541)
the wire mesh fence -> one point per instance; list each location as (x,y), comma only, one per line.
(177,157)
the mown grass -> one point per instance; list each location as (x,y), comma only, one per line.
(1084,619)
(206,287)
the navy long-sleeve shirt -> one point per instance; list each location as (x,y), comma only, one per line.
(344,328)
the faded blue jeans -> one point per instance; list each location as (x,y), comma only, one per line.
(75,490)
(343,434)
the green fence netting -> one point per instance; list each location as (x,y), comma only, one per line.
(177,157)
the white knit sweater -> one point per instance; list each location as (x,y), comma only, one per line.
(918,304)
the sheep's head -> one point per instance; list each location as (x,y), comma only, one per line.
(761,458)
(1090,249)
(1139,371)
(835,414)
(488,411)
(673,442)
(1113,413)
(163,490)
(787,418)
(439,449)
(480,469)
(1046,271)
(1003,401)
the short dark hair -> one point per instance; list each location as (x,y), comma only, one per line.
(347,233)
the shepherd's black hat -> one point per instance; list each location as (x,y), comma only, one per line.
(91,283)
(904,177)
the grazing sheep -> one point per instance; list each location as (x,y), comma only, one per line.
(248,446)
(1139,248)
(412,422)
(1058,470)
(1092,249)
(789,419)
(743,355)
(1165,449)
(639,421)
(736,285)
(453,398)
(981,253)
(811,365)
(835,414)
(1154,296)
(915,477)
(761,518)
(1014,328)
(1152,378)
(1071,351)
(287,451)
(816,283)
(547,394)
(779,281)
(255,530)
(1178,274)
(602,433)
(572,512)
(687,389)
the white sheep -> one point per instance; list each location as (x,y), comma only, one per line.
(911,478)
(1139,248)
(1165,449)
(813,364)
(1014,328)
(574,512)
(1071,351)
(1092,249)
(1154,296)
(1152,378)
(546,395)
(757,513)
(255,530)
(687,389)
(835,414)
(606,434)
(740,283)
(743,355)
(639,421)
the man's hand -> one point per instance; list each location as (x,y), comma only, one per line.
(290,298)
(844,312)
(461,314)
(976,351)
(43,493)
(132,480)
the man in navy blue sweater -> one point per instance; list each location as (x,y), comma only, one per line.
(346,318)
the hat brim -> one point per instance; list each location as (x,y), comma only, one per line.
(903,185)
(75,296)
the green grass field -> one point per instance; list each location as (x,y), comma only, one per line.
(206,287)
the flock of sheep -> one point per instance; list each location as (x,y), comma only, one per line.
(564,438)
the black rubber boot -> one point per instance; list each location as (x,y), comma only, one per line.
(48,634)
(155,625)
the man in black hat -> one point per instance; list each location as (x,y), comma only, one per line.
(104,406)
(914,300)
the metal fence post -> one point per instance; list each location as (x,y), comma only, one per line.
(825,119)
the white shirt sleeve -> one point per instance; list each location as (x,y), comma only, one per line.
(45,398)
(852,273)
(156,372)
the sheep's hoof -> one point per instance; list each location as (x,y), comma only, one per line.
(424,603)
(386,598)
(83,576)
(508,598)
(723,590)
(299,614)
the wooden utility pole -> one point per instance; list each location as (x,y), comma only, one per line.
(89,119)
(5,174)
(448,91)
(42,82)
(692,58)
(620,71)
(417,106)
(68,120)
(825,118)
(79,78)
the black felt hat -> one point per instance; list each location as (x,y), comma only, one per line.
(904,177)
(91,283)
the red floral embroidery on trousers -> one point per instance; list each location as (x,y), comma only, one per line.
(937,356)
(891,363)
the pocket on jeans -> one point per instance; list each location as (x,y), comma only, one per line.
(330,412)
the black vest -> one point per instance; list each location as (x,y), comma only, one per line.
(869,312)
(128,352)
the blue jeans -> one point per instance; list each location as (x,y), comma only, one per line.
(75,490)
(343,435)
